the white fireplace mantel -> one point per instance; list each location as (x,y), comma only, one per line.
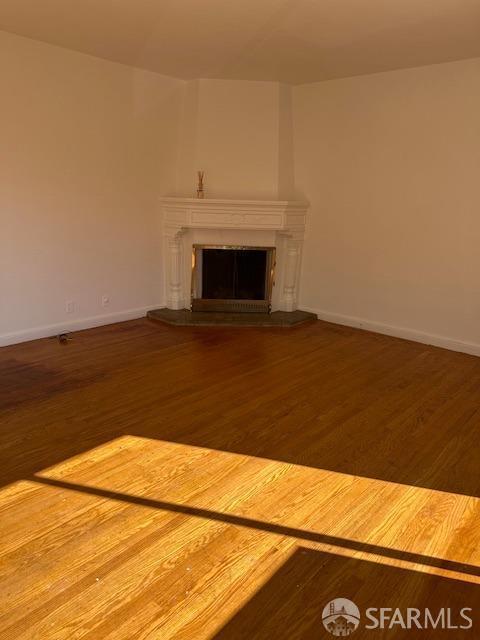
(277,223)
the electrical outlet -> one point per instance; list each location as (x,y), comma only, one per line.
(105,301)
(70,306)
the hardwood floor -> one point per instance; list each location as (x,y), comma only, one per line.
(214,483)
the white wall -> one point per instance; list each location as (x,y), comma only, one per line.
(87,148)
(390,163)
(240,134)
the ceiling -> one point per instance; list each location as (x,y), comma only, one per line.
(292,41)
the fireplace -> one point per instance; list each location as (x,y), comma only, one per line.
(232,278)
(193,224)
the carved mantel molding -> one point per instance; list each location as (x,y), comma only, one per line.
(283,220)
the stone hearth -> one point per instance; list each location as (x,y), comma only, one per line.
(184,317)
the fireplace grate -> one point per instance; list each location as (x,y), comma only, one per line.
(233,306)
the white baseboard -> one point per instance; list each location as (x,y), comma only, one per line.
(73,325)
(398,332)
(350,321)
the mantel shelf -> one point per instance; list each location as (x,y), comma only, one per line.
(202,202)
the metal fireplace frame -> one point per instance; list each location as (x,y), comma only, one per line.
(233,305)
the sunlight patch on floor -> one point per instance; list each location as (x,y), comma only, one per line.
(323,501)
(197,530)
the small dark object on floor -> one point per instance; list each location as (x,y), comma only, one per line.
(185,317)
(63,338)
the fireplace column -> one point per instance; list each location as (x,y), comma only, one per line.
(174,277)
(291,246)
(289,294)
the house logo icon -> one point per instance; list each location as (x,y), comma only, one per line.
(341,617)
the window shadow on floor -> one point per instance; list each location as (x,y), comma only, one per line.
(264,526)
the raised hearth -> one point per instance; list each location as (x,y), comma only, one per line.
(184,317)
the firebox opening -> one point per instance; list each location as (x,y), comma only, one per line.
(232,278)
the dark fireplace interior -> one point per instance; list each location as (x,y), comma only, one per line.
(234,274)
(236,279)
